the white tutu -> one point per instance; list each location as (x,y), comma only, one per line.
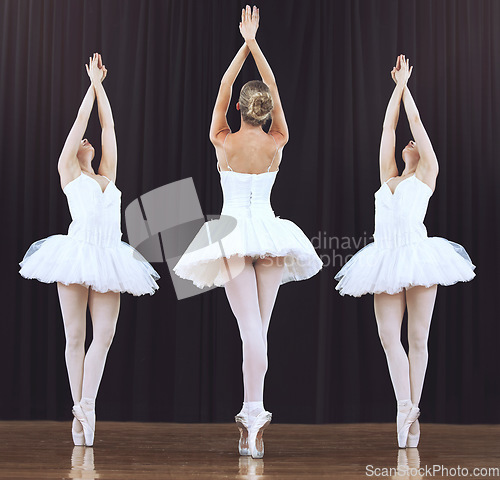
(60,258)
(92,254)
(433,261)
(257,233)
(402,256)
(272,237)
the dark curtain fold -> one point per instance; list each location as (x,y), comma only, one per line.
(180,360)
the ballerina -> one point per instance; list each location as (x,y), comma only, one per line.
(403,267)
(91,264)
(263,251)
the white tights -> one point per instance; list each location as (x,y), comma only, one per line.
(407,371)
(251,294)
(85,370)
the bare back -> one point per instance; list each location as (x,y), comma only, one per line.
(248,151)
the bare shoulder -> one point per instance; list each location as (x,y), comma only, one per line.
(109,173)
(68,171)
(388,172)
(218,143)
(427,176)
(218,138)
(280,138)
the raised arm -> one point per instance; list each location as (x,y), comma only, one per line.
(219,121)
(428,168)
(248,28)
(109,157)
(388,167)
(68,165)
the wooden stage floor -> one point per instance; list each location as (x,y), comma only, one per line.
(44,450)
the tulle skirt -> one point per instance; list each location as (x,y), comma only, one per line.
(428,262)
(205,260)
(65,259)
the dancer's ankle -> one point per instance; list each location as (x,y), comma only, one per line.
(253,408)
(404,405)
(87,403)
(243,412)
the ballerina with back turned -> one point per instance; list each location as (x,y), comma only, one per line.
(263,251)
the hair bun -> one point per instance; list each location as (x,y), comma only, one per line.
(260,105)
(256,102)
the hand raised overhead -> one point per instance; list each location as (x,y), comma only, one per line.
(402,70)
(249,22)
(101,66)
(95,69)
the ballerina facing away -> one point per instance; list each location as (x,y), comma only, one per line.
(263,251)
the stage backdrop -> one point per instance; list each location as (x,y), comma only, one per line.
(181,360)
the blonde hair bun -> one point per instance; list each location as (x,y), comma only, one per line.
(256,102)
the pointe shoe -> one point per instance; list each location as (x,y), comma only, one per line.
(78,437)
(403,430)
(242,421)
(413,439)
(255,432)
(85,413)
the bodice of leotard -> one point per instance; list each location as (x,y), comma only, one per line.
(96,214)
(247,194)
(399,216)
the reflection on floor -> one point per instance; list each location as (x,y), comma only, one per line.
(209,451)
